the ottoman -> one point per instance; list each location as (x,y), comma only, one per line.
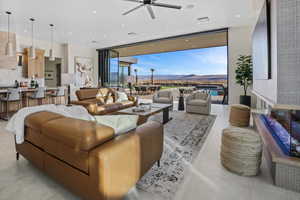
(239,115)
(241,151)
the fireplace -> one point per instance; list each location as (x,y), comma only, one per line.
(284,125)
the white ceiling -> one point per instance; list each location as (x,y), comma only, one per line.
(76,23)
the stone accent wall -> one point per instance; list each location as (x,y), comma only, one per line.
(288,35)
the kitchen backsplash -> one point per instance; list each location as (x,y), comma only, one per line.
(8,77)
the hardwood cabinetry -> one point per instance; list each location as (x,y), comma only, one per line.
(34,67)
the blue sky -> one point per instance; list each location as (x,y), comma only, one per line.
(207,61)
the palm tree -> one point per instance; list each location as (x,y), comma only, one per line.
(152,71)
(136,76)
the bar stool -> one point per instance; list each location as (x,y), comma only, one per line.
(38,95)
(60,92)
(13,95)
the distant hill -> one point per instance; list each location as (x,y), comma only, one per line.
(191,77)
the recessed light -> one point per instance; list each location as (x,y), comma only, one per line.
(190,6)
(238,16)
(123,25)
(94,11)
(70,33)
(132,33)
(203,19)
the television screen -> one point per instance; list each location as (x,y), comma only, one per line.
(261,45)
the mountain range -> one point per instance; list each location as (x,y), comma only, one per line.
(192,77)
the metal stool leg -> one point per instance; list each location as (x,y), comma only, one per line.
(7,109)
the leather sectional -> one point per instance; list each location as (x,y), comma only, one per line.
(95,106)
(87,157)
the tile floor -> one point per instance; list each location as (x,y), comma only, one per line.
(205,179)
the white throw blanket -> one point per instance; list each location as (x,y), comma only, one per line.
(120,123)
(16,123)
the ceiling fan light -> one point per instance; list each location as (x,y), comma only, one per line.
(51,55)
(9,49)
(32,52)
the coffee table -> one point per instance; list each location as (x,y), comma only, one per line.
(155,108)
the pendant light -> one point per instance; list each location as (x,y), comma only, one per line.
(9,50)
(32,49)
(51,54)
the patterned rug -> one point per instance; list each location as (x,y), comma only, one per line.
(184,137)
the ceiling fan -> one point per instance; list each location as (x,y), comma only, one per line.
(149,4)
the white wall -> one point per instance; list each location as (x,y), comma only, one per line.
(66,52)
(75,51)
(239,43)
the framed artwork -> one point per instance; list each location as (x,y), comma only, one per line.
(84,66)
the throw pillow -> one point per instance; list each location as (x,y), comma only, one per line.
(120,123)
(100,97)
(121,96)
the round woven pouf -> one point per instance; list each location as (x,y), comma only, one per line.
(241,151)
(239,115)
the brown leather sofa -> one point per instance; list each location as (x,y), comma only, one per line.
(86,157)
(88,99)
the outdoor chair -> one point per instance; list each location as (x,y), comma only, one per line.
(198,102)
(144,90)
(164,97)
(137,90)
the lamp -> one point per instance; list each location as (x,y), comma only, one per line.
(32,49)
(9,50)
(51,54)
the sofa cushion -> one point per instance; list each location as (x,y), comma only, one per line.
(200,95)
(121,97)
(197,102)
(84,94)
(163,100)
(77,134)
(36,120)
(165,94)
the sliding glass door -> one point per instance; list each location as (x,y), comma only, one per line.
(114,69)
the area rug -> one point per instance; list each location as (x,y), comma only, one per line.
(184,136)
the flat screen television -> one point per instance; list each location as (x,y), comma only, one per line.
(261,45)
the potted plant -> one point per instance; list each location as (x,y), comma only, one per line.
(244,77)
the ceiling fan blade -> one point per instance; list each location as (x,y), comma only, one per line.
(136,1)
(150,10)
(166,5)
(133,9)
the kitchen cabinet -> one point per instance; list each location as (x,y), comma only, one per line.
(34,67)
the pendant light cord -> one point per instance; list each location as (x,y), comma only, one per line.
(32,21)
(52,35)
(8,23)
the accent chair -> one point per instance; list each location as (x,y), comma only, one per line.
(198,102)
(163,97)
